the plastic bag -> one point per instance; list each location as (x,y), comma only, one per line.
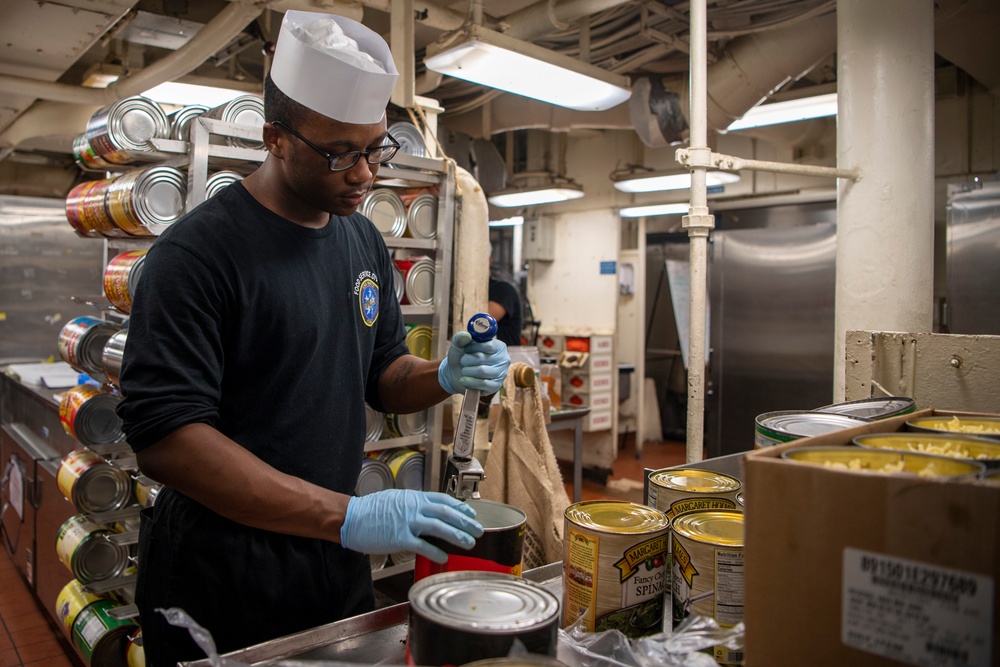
(681,648)
(202,637)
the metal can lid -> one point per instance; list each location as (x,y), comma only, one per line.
(408,470)
(375,476)
(374,424)
(483,602)
(617,516)
(102,488)
(411,141)
(872,408)
(419,340)
(421,216)
(133,121)
(719,527)
(694,480)
(158,197)
(180,120)
(98,558)
(420,282)
(805,423)
(97,423)
(219,181)
(386,211)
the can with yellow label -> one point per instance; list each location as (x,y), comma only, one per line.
(615,570)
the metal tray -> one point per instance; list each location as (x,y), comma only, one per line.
(378,637)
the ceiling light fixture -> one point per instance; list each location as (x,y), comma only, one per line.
(787,112)
(534,195)
(183,94)
(495,60)
(102,75)
(659,181)
(513,221)
(655,209)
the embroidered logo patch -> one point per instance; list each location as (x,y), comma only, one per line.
(367,290)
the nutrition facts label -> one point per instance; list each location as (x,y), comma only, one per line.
(728,587)
(914,612)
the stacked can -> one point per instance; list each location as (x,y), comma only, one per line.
(707,571)
(386,211)
(374,424)
(180,120)
(242,110)
(81,344)
(674,491)
(93,484)
(142,202)
(418,280)
(121,276)
(88,414)
(146,491)
(86,157)
(402,425)
(419,341)
(119,131)
(91,622)
(220,180)
(86,212)
(777,428)
(375,476)
(84,547)
(421,215)
(407,466)
(615,570)
(114,352)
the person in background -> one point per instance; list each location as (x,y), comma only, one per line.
(505,306)
(264,321)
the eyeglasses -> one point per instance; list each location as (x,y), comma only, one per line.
(344,161)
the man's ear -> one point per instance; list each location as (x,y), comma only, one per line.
(274,141)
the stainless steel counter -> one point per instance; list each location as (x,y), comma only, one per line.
(368,639)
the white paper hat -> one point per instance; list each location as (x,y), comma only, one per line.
(334,66)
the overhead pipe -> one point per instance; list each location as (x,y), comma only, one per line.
(214,35)
(756,65)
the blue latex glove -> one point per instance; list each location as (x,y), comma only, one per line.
(471,365)
(391,521)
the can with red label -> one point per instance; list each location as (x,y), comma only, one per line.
(121,276)
(119,131)
(500,549)
(88,414)
(81,344)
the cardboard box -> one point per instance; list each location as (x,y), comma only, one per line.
(854,568)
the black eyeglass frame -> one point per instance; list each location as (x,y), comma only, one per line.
(395,145)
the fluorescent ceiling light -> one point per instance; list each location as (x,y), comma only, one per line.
(513,221)
(498,61)
(183,94)
(658,181)
(537,194)
(655,209)
(787,112)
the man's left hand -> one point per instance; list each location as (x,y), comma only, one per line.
(481,366)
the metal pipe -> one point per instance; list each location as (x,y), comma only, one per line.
(885,128)
(699,224)
(733,163)
(213,36)
(534,20)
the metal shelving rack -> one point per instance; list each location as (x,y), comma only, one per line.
(202,153)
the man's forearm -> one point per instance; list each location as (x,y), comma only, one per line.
(410,384)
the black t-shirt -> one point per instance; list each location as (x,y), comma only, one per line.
(510,325)
(273,333)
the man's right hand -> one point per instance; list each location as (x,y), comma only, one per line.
(395,520)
